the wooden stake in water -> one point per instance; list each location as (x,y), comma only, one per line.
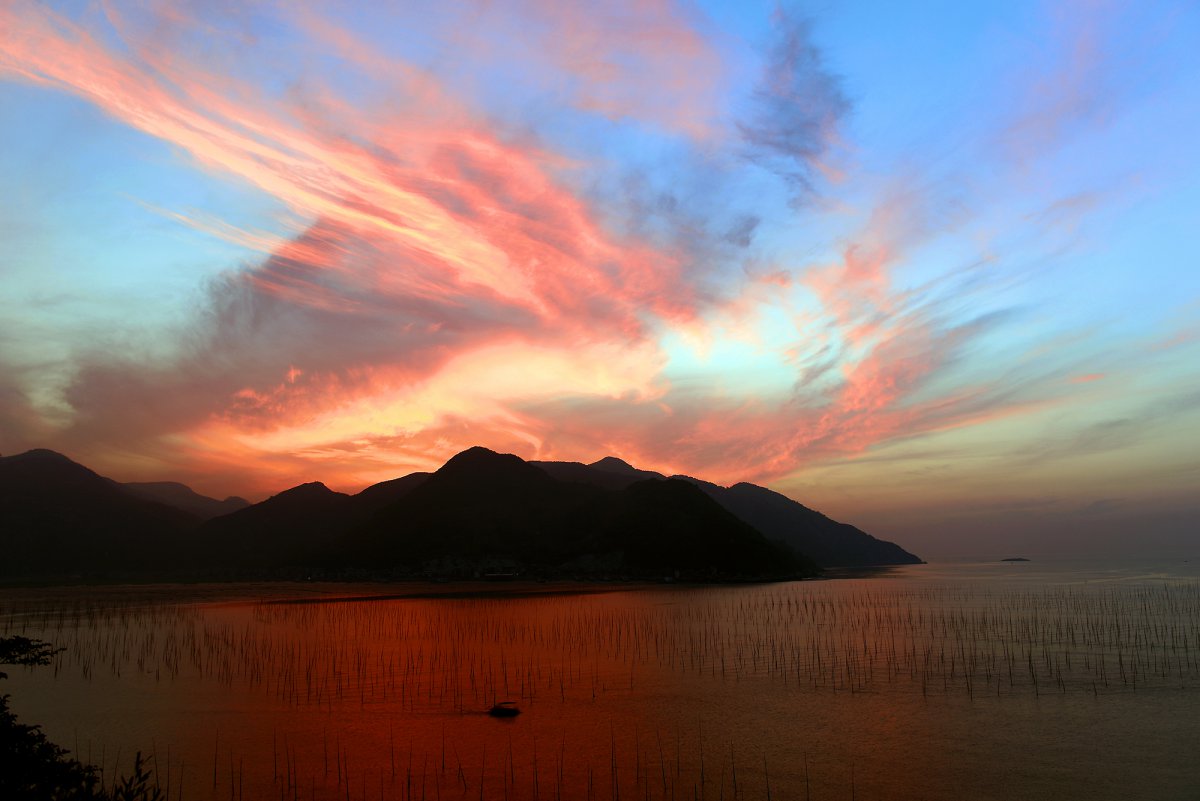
(613,761)
(535,771)
(483,763)
(733,764)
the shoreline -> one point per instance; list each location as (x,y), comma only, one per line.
(293,592)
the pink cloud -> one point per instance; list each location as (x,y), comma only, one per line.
(449,287)
(464,211)
(1093,71)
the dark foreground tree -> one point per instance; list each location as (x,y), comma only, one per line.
(24,651)
(34,769)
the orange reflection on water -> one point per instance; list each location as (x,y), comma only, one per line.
(849,689)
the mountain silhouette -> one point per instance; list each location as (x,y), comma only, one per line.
(658,522)
(776,516)
(478,505)
(58,517)
(302,527)
(831,543)
(297,527)
(483,508)
(480,512)
(608,473)
(181,496)
(377,496)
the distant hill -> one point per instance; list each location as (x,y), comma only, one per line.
(58,517)
(479,505)
(377,496)
(485,511)
(484,508)
(305,526)
(297,527)
(831,543)
(181,496)
(608,473)
(480,511)
(778,517)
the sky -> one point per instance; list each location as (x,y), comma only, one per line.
(926,267)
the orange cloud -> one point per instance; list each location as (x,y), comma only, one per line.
(448,285)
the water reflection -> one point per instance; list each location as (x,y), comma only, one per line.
(916,685)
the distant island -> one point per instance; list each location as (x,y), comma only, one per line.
(1015,559)
(481,514)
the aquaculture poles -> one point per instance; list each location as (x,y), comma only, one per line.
(733,766)
(818,640)
(616,787)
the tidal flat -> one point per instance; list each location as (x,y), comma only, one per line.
(942,681)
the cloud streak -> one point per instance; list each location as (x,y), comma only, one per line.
(460,266)
(797,108)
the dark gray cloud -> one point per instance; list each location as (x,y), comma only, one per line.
(797,108)
(258,324)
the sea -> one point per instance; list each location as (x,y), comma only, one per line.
(1048,679)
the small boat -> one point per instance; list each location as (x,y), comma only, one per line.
(505,709)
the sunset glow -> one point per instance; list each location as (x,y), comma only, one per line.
(914,268)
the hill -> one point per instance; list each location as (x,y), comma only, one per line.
(300,526)
(481,511)
(776,516)
(483,508)
(181,496)
(58,517)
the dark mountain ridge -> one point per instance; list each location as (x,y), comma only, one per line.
(59,516)
(181,496)
(290,528)
(480,511)
(486,508)
(778,517)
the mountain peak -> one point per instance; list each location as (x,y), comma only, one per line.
(46,463)
(311,489)
(181,496)
(43,455)
(614,465)
(313,486)
(480,457)
(481,463)
(476,453)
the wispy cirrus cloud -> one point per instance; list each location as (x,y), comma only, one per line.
(454,269)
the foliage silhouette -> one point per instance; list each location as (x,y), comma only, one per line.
(32,768)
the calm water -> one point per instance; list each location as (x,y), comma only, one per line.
(977,681)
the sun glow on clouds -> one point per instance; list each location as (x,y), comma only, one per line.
(480,386)
(472,253)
